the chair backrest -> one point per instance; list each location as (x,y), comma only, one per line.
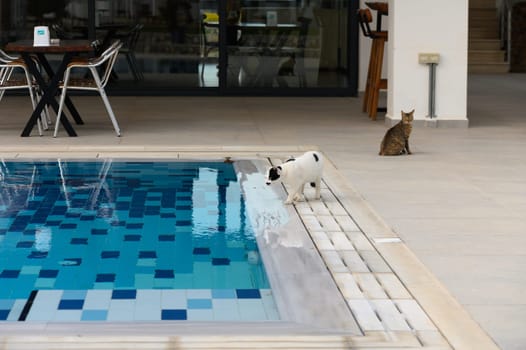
(209,33)
(132,37)
(109,56)
(364,18)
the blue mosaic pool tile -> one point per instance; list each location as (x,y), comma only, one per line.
(224,294)
(133,226)
(199,303)
(118,223)
(105,277)
(167,315)
(220,261)
(94,315)
(248,293)
(110,254)
(68,226)
(132,238)
(99,231)
(71,304)
(25,244)
(53,223)
(124,294)
(9,274)
(164,274)
(37,255)
(79,241)
(29,232)
(201,251)
(4,314)
(48,274)
(166,238)
(147,254)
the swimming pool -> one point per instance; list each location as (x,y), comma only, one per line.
(128,241)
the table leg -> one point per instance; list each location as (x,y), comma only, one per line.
(47,98)
(71,107)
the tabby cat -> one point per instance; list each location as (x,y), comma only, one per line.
(396,139)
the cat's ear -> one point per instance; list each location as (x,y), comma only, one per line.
(413,111)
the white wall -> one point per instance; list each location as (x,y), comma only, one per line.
(427,26)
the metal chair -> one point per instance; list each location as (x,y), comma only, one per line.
(94,83)
(209,41)
(9,81)
(130,40)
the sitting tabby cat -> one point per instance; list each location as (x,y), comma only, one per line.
(396,139)
(287,67)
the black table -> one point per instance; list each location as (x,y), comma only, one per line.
(69,49)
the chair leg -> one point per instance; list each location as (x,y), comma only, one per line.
(33,100)
(61,103)
(110,111)
(377,79)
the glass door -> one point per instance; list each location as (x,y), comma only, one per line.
(288,44)
(171,47)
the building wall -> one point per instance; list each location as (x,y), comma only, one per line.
(420,26)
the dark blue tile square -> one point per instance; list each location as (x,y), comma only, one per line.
(71,304)
(29,232)
(24,244)
(132,238)
(68,226)
(105,277)
(124,294)
(248,294)
(99,231)
(183,223)
(220,261)
(167,215)
(48,273)
(10,274)
(4,314)
(134,226)
(147,254)
(201,251)
(164,274)
(79,241)
(53,223)
(110,254)
(3,232)
(118,223)
(166,238)
(87,218)
(173,315)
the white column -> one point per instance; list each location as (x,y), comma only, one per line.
(421,26)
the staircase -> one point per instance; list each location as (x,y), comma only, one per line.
(485,54)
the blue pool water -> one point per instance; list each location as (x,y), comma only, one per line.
(127,241)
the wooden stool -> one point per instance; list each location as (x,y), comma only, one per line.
(375,83)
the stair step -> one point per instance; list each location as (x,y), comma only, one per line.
(492,24)
(483,14)
(493,68)
(486,56)
(479,33)
(481,44)
(481,4)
